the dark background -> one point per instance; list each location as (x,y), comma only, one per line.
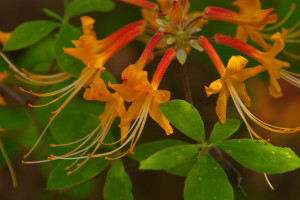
(149,185)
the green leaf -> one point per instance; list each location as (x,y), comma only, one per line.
(79,7)
(108,77)
(117,185)
(222,132)
(143,151)
(170,157)
(52,14)
(71,126)
(29,33)
(183,169)
(185,118)
(261,156)
(207,180)
(66,34)
(59,179)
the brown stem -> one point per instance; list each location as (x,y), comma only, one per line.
(186,84)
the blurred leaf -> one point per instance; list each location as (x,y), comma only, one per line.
(71,126)
(207,180)
(183,169)
(39,57)
(14,118)
(261,156)
(143,151)
(82,191)
(108,77)
(118,184)
(66,34)
(58,179)
(170,157)
(185,118)
(222,132)
(52,14)
(79,7)
(29,33)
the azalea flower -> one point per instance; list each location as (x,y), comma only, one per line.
(173,19)
(145,99)
(231,83)
(92,52)
(114,107)
(272,64)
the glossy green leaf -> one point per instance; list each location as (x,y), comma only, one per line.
(185,118)
(79,7)
(71,126)
(207,180)
(183,169)
(143,151)
(59,179)
(29,33)
(222,132)
(170,157)
(118,184)
(52,14)
(261,156)
(66,34)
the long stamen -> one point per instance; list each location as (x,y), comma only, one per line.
(260,122)
(90,73)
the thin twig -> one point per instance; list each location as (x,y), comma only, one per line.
(186,84)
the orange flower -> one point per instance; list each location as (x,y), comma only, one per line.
(234,76)
(145,99)
(231,83)
(273,65)
(92,52)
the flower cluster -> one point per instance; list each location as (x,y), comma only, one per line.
(168,29)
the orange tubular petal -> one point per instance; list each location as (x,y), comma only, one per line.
(108,41)
(176,14)
(260,18)
(142,3)
(237,44)
(143,60)
(124,40)
(162,67)
(212,54)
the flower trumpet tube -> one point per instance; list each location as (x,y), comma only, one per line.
(272,64)
(95,64)
(142,4)
(231,83)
